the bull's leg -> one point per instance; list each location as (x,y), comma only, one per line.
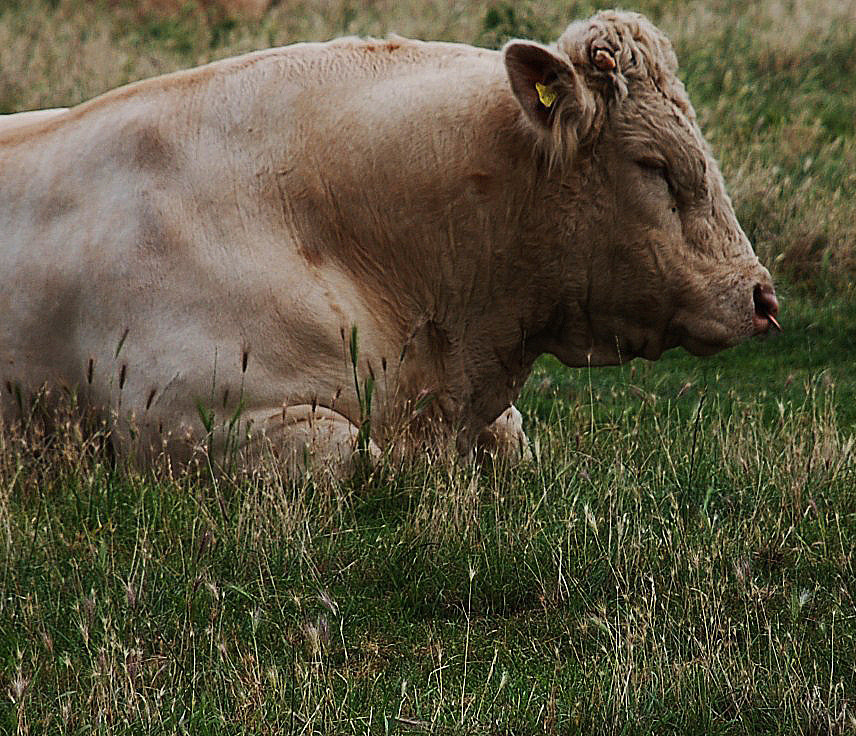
(505,438)
(308,439)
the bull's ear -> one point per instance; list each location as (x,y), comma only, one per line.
(542,81)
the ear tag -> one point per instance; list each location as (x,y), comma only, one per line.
(547,95)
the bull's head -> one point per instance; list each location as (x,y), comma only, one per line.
(659,258)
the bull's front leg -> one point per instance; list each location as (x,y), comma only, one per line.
(504,438)
(305,439)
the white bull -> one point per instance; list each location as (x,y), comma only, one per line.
(202,247)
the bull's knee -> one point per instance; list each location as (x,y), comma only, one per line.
(314,439)
(505,438)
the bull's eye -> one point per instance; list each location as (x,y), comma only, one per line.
(653,166)
(657,168)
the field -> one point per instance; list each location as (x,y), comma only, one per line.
(677,559)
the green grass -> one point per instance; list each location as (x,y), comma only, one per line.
(813,357)
(668,564)
(678,559)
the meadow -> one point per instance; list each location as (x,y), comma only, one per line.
(677,559)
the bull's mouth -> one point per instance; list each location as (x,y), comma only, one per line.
(704,327)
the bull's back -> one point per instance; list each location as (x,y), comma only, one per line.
(18,120)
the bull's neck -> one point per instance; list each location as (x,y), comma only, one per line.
(444,214)
(506,304)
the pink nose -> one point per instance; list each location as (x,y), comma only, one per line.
(766,308)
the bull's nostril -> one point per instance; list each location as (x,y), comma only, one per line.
(765,301)
(766,304)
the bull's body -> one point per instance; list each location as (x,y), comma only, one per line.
(211,238)
(205,244)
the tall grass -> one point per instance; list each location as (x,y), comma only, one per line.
(670,568)
(677,558)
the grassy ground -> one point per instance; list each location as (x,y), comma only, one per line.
(677,559)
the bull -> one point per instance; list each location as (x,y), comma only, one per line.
(274,241)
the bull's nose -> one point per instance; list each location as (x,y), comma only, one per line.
(766,308)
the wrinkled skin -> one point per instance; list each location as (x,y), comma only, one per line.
(669,264)
(202,249)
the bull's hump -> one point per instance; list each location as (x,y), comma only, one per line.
(351,59)
(314,62)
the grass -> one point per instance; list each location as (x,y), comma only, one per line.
(677,559)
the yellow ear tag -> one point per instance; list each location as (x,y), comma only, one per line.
(546,94)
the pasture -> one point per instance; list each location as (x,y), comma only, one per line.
(678,557)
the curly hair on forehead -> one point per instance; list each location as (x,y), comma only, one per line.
(640,49)
(595,64)
(636,51)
